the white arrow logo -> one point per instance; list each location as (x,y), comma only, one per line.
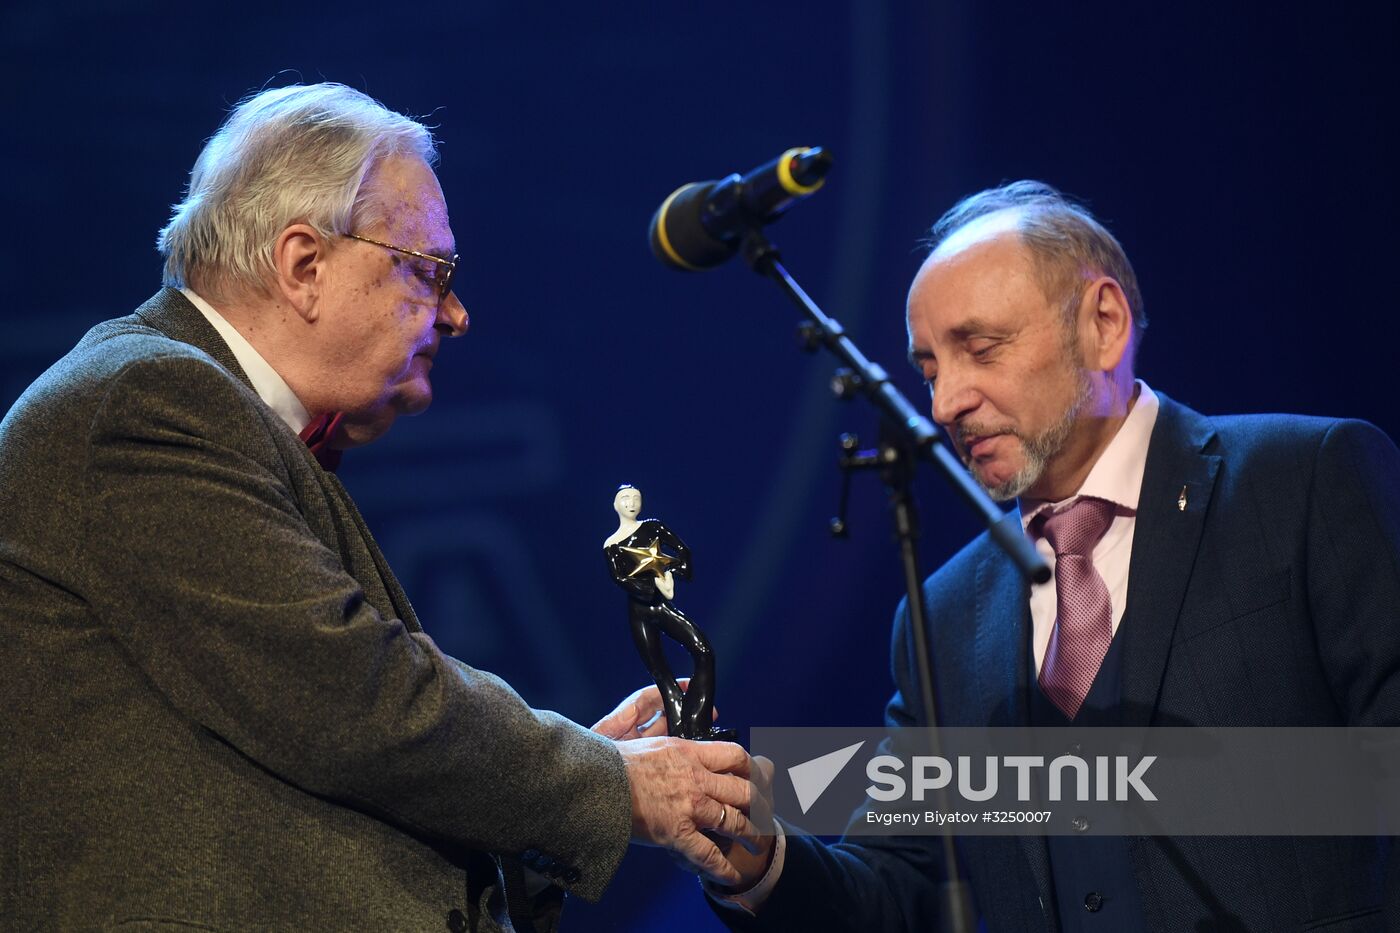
(811,778)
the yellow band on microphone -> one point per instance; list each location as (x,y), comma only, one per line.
(792,185)
(661,236)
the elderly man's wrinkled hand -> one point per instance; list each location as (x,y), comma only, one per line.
(684,790)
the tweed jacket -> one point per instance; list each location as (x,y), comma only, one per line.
(219,709)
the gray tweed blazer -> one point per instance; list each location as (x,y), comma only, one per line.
(217,707)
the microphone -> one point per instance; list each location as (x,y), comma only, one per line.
(701,224)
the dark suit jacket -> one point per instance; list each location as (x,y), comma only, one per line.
(219,708)
(1273,599)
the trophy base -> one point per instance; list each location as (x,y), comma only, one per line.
(716,734)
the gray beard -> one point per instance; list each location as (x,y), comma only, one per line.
(1042,448)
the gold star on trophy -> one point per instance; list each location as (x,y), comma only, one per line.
(649,559)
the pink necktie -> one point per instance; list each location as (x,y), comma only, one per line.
(1084,615)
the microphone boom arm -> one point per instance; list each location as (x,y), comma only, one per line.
(912,432)
(913,428)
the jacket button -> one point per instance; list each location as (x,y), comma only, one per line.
(456,921)
(572,875)
(1093,902)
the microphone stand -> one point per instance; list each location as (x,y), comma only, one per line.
(914,438)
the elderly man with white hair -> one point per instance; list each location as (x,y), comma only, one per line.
(221,711)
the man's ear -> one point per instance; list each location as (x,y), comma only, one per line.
(1109,323)
(299,260)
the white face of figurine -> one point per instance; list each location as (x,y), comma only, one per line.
(627,503)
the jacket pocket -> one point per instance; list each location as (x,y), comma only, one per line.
(1358,921)
(1241,598)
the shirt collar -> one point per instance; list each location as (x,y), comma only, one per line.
(1117,475)
(271,387)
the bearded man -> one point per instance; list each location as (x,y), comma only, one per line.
(1215,571)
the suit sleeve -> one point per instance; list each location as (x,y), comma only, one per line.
(879,884)
(201,565)
(1354,570)
(1354,585)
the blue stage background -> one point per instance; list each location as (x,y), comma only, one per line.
(1243,156)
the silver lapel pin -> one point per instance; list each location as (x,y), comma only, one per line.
(1181,500)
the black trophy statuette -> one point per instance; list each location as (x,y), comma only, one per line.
(645,557)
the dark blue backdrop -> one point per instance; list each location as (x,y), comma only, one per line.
(1241,155)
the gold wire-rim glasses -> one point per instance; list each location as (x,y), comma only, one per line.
(445,268)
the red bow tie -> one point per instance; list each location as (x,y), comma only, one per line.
(317,436)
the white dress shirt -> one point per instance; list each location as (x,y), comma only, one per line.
(271,387)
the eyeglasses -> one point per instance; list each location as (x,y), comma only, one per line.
(443,270)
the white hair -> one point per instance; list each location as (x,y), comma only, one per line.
(297,154)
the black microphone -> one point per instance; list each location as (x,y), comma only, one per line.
(701,224)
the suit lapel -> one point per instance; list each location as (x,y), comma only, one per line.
(1002,637)
(171,313)
(398,599)
(1165,541)
(1002,659)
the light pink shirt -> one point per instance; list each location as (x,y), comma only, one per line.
(1117,477)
